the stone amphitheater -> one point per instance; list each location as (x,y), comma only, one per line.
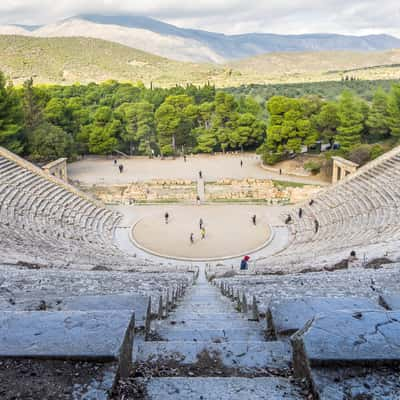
(85,315)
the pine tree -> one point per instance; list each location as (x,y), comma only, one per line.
(10,117)
(393,119)
(351,121)
(377,121)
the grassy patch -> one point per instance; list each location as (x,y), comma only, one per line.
(284,184)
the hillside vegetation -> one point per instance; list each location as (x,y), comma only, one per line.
(84,60)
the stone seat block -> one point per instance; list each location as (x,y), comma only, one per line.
(138,304)
(286,316)
(347,338)
(105,336)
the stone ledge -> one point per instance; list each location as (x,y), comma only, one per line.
(347,338)
(286,316)
(69,335)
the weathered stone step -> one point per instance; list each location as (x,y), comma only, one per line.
(254,355)
(221,389)
(174,324)
(212,335)
(212,316)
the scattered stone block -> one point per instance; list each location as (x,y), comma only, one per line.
(286,316)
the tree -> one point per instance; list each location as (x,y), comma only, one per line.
(32,107)
(174,119)
(103,132)
(140,128)
(49,142)
(225,119)
(377,121)
(351,121)
(327,121)
(394,111)
(249,132)
(10,117)
(289,127)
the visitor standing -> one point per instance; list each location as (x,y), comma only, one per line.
(300,212)
(200,175)
(184,158)
(244,264)
(311,202)
(203,233)
(288,219)
(254,219)
(192,238)
(115,162)
(121,168)
(166,217)
(201,223)
(198,200)
(241,163)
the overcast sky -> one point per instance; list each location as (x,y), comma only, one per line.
(230,16)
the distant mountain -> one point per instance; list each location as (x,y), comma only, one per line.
(181,44)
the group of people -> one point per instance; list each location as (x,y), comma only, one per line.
(120,166)
(289,218)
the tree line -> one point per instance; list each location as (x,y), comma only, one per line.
(46,122)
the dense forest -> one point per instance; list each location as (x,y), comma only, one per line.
(46,122)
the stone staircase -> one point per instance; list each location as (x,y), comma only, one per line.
(208,350)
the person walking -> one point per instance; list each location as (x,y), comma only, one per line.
(198,200)
(254,219)
(288,219)
(201,223)
(241,163)
(200,175)
(115,162)
(316,223)
(300,212)
(166,217)
(203,233)
(311,202)
(192,238)
(244,264)
(184,158)
(121,168)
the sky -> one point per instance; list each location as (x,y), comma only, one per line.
(358,17)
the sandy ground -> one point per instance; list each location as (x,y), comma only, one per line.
(229,229)
(103,171)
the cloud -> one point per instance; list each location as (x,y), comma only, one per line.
(230,16)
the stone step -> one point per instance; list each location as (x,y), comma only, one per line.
(248,355)
(211,335)
(174,324)
(221,389)
(201,315)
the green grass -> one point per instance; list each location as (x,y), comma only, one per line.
(284,184)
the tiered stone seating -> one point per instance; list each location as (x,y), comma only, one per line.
(47,221)
(356,282)
(358,213)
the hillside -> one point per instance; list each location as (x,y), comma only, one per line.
(194,45)
(70,60)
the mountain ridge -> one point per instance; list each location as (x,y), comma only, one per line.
(194,45)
